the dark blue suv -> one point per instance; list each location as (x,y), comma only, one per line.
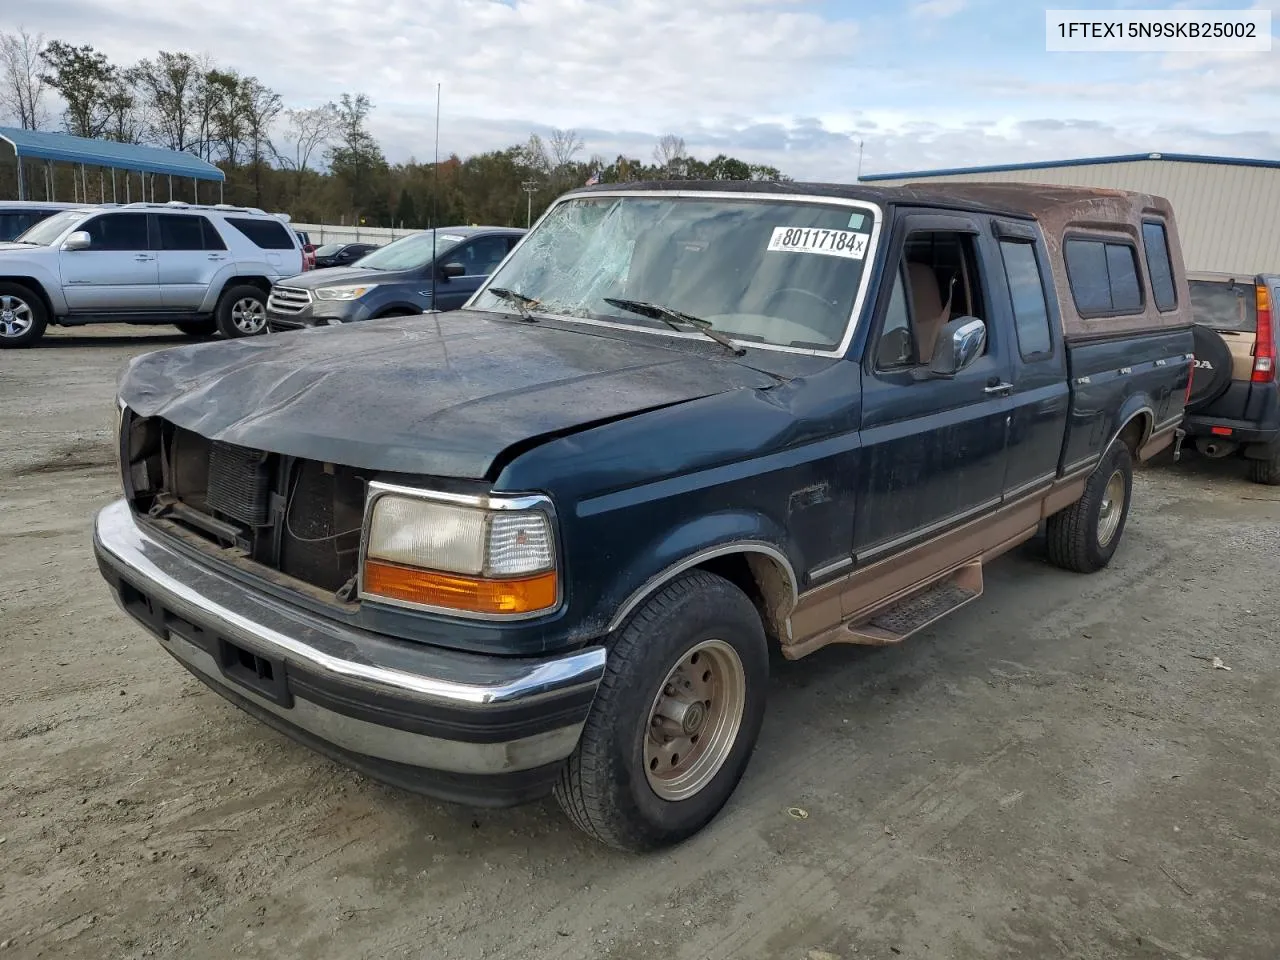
(395,280)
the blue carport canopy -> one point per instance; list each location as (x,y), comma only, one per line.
(41,145)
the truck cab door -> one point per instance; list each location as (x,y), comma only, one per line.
(1041,396)
(934,449)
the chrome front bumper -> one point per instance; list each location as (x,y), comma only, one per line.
(462,726)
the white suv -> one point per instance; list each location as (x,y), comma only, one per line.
(201,268)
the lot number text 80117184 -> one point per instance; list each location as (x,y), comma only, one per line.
(835,243)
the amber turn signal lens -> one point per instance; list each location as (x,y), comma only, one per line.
(474,595)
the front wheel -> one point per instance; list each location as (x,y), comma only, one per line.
(22,316)
(1084,536)
(242,312)
(675,719)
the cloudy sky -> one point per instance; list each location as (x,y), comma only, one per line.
(795,83)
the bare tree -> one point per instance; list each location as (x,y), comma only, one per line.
(169,87)
(562,146)
(259,107)
(307,131)
(21,82)
(534,154)
(669,152)
(86,80)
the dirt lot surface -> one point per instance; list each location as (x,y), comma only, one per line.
(1053,772)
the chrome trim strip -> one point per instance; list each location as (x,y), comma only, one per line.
(130,550)
(389,743)
(851,326)
(928,530)
(691,561)
(1044,480)
(531,501)
(1071,471)
(817,573)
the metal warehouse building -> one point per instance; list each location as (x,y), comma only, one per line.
(1228,209)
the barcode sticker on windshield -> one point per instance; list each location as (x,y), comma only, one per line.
(833,243)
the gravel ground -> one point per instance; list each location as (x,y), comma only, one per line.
(1054,771)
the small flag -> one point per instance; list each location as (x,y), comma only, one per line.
(593,179)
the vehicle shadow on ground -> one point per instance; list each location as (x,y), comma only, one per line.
(54,340)
(848,690)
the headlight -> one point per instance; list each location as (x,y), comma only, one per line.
(344,293)
(473,559)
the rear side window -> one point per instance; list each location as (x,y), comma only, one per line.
(267,234)
(1026,292)
(1103,277)
(1155,240)
(181,232)
(1224,305)
(118,231)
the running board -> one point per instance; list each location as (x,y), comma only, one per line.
(911,614)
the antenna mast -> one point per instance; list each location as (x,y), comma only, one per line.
(435,204)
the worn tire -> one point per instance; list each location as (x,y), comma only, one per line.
(604,788)
(27,316)
(198,328)
(228,304)
(1266,471)
(1075,535)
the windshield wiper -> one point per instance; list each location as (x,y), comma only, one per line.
(517,300)
(674,319)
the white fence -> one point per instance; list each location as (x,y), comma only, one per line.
(322,233)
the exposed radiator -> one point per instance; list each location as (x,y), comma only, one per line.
(238,483)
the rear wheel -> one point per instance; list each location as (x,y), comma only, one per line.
(1266,471)
(242,312)
(1084,536)
(675,719)
(23,317)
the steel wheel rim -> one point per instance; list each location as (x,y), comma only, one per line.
(16,317)
(248,315)
(694,720)
(1112,508)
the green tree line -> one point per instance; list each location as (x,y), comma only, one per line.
(320,164)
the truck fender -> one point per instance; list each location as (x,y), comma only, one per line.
(752,537)
(39,282)
(1134,423)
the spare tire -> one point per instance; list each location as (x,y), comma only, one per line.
(1213,367)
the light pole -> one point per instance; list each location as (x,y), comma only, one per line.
(529,186)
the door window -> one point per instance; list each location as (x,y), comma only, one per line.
(118,231)
(938,281)
(484,254)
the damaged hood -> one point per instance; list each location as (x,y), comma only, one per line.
(439,395)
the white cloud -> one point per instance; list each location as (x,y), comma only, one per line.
(937,9)
(770,81)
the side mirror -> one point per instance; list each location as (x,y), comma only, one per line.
(960,342)
(79,240)
(453,269)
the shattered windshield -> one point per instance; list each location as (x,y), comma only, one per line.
(774,272)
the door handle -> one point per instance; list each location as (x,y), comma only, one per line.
(216,256)
(998,388)
(143,258)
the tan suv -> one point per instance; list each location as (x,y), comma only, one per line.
(1234,406)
